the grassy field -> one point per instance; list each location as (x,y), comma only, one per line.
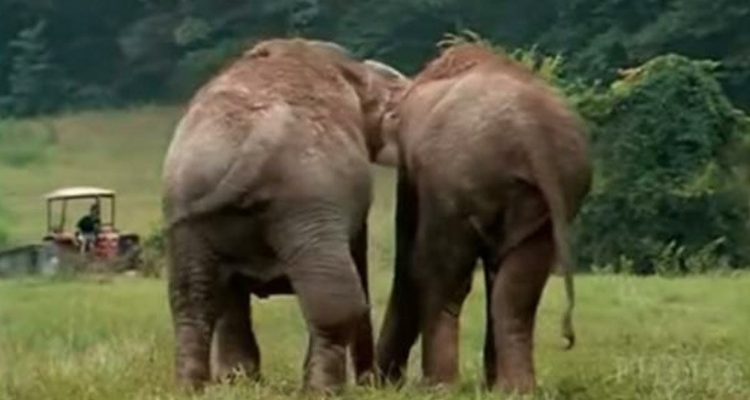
(111,339)
(639,339)
(121,150)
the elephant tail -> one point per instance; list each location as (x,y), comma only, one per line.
(551,186)
(562,247)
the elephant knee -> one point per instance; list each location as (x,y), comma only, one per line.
(339,315)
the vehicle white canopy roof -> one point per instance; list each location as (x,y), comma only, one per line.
(79,193)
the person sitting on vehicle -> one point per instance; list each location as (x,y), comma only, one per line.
(88,228)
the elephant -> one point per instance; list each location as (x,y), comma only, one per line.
(492,166)
(267,187)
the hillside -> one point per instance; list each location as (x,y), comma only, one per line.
(121,150)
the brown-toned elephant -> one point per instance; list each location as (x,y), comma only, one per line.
(493,166)
(267,190)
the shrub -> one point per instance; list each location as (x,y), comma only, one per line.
(37,84)
(666,190)
(154,253)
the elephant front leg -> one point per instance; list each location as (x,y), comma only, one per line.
(515,297)
(401,323)
(193,303)
(399,333)
(362,351)
(490,353)
(234,347)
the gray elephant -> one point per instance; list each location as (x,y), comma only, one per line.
(493,166)
(267,189)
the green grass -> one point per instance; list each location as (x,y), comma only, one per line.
(24,143)
(121,150)
(639,338)
(86,339)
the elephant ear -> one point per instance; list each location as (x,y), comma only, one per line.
(385,70)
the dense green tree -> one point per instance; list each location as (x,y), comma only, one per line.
(599,37)
(36,84)
(663,136)
(143,50)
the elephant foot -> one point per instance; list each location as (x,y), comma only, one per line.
(518,383)
(192,373)
(399,333)
(440,351)
(367,379)
(362,353)
(234,348)
(192,376)
(237,369)
(325,371)
(192,367)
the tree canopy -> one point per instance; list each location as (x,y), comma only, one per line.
(663,137)
(660,82)
(90,52)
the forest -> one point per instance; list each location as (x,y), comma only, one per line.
(56,54)
(662,85)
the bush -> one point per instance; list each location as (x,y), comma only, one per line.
(37,84)
(665,190)
(154,253)
(23,143)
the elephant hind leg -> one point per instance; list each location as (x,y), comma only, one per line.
(193,303)
(401,323)
(333,304)
(444,258)
(234,347)
(362,351)
(489,354)
(399,331)
(315,249)
(517,289)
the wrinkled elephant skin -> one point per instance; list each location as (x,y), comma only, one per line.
(493,166)
(267,188)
